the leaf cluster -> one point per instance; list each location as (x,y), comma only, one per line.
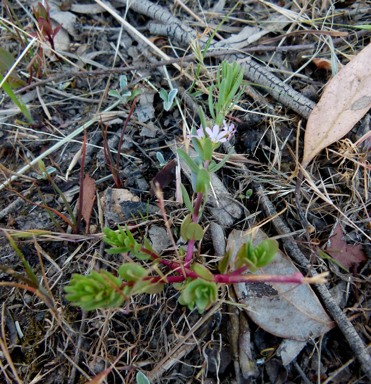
(42,15)
(199,292)
(124,242)
(228,82)
(168,98)
(96,290)
(256,257)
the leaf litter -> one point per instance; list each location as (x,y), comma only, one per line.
(153,332)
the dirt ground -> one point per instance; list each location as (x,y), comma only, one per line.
(290,51)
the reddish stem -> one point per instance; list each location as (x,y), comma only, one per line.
(189,255)
(239,271)
(81,196)
(122,134)
(297,278)
(191,242)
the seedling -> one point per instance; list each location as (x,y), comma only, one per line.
(161,159)
(124,94)
(168,98)
(47,32)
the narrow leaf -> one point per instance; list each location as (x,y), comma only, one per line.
(208,150)
(187,200)
(6,60)
(188,160)
(211,107)
(345,101)
(88,199)
(202,117)
(218,166)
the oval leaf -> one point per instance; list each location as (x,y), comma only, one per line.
(202,271)
(344,102)
(194,231)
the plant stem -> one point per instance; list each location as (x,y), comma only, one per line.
(122,136)
(81,194)
(297,278)
(189,255)
(191,242)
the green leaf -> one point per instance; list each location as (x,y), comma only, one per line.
(168,98)
(148,246)
(134,94)
(218,166)
(142,379)
(6,60)
(114,93)
(237,98)
(131,272)
(233,91)
(123,82)
(194,231)
(164,96)
(116,251)
(203,181)
(265,252)
(222,92)
(200,292)
(218,76)
(187,200)
(203,272)
(109,233)
(202,117)
(183,228)
(224,263)
(197,145)
(211,107)
(256,257)
(188,160)
(172,95)
(18,102)
(208,150)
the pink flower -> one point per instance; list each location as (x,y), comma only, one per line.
(200,134)
(216,136)
(229,131)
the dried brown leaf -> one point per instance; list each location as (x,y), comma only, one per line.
(100,377)
(88,199)
(322,63)
(163,177)
(346,255)
(344,102)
